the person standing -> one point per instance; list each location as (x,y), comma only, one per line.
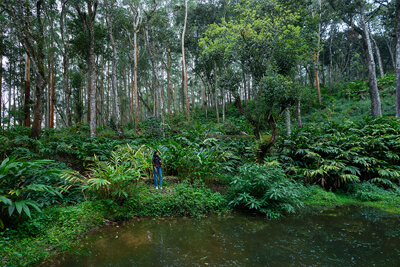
(157,170)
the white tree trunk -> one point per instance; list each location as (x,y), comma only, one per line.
(184,70)
(373,86)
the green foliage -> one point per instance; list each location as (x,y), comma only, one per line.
(265,188)
(183,199)
(371,192)
(113,179)
(275,94)
(334,155)
(55,229)
(315,194)
(194,161)
(21,188)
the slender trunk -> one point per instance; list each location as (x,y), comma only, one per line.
(47,116)
(244,84)
(288,129)
(317,79)
(184,71)
(40,76)
(215,91)
(169,81)
(135,81)
(392,59)
(27,93)
(202,94)
(330,65)
(397,58)
(88,21)
(67,90)
(116,107)
(298,115)
(378,57)
(1,86)
(51,122)
(102,108)
(193,106)
(373,86)
(157,89)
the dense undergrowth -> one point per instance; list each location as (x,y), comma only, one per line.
(54,190)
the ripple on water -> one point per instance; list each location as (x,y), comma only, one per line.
(339,237)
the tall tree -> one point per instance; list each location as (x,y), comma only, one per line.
(349,10)
(151,52)
(65,58)
(397,12)
(32,39)
(88,21)
(116,104)
(185,90)
(136,23)
(27,93)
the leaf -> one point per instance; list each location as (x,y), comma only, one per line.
(5,200)
(11,209)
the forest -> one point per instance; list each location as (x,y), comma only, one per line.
(273,106)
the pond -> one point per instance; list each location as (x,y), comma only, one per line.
(346,236)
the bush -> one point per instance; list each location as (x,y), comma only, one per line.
(265,188)
(25,185)
(183,199)
(370,192)
(336,155)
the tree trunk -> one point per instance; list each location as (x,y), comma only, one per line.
(397,58)
(215,91)
(51,99)
(151,52)
(378,57)
(40,76)
(116,107)
(298,115)
(88,21)
(184,70)
(391,51)
(65,53)
(253,122)
(1,86)
(317,79)
(193,99)
(288,129)
(169,94)
(135,81)
(373,86)
(27,93)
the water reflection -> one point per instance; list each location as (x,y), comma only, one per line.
(341,237)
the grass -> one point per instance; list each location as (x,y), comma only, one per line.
(318,198)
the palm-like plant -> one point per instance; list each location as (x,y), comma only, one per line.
(18,179)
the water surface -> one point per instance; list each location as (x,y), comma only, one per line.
(350,236)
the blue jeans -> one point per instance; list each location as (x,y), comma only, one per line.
(159,174)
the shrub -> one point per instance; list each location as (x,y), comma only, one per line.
(183,199)
(370,192)
(336,155)
(18,183)
(113,178)
(265,188)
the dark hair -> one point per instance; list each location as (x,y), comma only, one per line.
(154,154)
